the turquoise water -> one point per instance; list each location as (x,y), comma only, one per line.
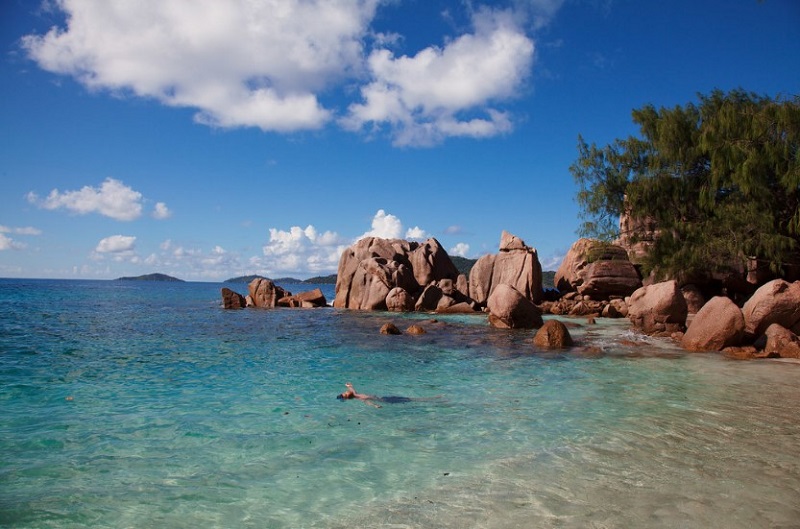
(147,405)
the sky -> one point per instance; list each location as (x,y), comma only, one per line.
(208,139)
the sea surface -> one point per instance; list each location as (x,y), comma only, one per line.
(141,405)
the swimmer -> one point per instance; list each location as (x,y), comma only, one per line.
(351,393)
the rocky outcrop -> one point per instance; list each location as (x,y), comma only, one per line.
(311,299)
(393,274)
(515,264)
(265,294)
(781,342)
(658,309)
(718,324)
(552,335)
(232,300)
(480,278)
(399,300)
(775,302)
(510,309)
(598,270)
(430,263)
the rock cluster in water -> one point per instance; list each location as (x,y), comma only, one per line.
(594,280)
(266,294)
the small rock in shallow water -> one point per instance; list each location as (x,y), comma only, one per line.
(390,328)
(415,329)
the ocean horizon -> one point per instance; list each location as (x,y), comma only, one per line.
(146,404)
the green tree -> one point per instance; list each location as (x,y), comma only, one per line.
(720,179)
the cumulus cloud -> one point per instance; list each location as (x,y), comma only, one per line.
(119,248)
(161,211)
(461,249)
(300,250)
(449,91)
(112,199)
(7,243)
(385,225)
(116,244)
(268,63)
(253,63)
(416,233)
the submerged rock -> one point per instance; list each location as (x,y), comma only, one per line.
(553,335)
(390,328)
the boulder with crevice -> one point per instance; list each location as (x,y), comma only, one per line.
(516,264)
(658,309)
(510,309)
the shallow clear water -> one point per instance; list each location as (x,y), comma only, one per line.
(147,405)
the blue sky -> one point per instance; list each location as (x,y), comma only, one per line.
(207,139)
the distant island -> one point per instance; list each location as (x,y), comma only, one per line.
(152,277)
(330,279)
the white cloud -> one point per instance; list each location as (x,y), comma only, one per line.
(301,251)
(454,230)
(385,225)
(7,243)
(161,211)
(112,199)
(267,63)
(27,230)
(119,248)
(116,244)
(445,92)
(258,63)
(538,12)
(460,249)
(416,233)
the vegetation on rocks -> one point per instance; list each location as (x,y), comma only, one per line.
(719,178)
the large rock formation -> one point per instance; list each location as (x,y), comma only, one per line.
(775,302)
(658,309)
(598,270)
(264,293)
(516,265)
(510,309)
(393,274)
(718,324)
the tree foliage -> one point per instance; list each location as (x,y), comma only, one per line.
(720,179)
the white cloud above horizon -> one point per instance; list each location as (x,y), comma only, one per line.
(461,249)
(422,97)
(241,63)
(111,199)
(268,63)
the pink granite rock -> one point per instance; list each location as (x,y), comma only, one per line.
(718,324)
